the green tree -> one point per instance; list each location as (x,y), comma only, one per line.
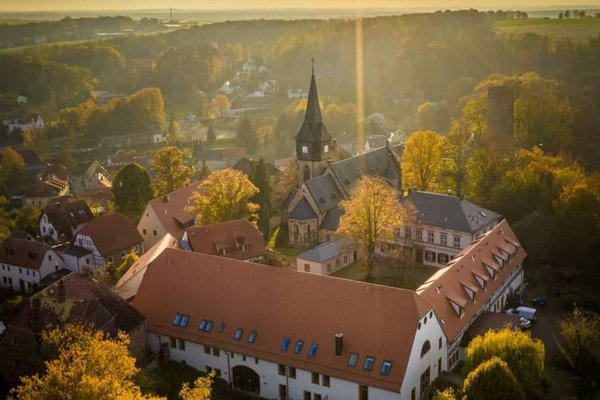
(224,196)
(211,137)
(171,172)
(446,394)
(26,219)
(263,197)
(492,380)
(12,167)
(523,355)
(88,366)
(580,333)
(132,190)
(371,216)
(204,171)
(422,160)
(246,136)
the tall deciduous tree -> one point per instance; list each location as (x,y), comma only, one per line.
(224,196)
(11,167)
(371,215)
(523,355)
(88,366)
(132,190)
(263,198)
(492,380)
(580,333)
(171,172)
(422,160)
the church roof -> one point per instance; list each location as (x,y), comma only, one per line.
(313,129)
(303,210)
(325,192)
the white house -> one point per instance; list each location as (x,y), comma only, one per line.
(24,123)
(64,218)
(286,334)
(75,258)
(249,66)
(480,278)
(329,257)
(296,93)
(24,263)
(227,88)
(443,226)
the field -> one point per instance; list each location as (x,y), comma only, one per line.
(575,29)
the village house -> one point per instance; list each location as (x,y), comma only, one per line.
(329,257)
(23,123)
(167,214)
(63,219)
(237,239)
(479,279)
(119,158)
(74,299)
(24,263)
(110,238)
(41,193)
(323,341)
(442,226)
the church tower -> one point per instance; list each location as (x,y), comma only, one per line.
(313,141)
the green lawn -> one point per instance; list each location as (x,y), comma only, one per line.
(574,29)
(387,273)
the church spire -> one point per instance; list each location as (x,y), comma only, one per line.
(313,108)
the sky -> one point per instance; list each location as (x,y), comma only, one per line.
(59,5)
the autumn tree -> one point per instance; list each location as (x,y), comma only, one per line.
(422,160)
(200,390)
(580,333)
(447,394)
(171,171)
(218,105)
(129,260)
(371,216)
(12,167)
(523,355)
(492,380)
(224,196)
(132,190)
(87,366)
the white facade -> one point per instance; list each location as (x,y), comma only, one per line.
(86,242)
(150,227)
(15,125)
(75,263)
(47,230)
(276,379)
(24,279)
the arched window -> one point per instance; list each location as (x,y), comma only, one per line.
(425,348)
(295,228)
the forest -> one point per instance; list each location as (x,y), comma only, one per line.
(422,72)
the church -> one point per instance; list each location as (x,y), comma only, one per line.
(313,211)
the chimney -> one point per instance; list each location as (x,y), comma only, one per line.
(339,344)
(61,291)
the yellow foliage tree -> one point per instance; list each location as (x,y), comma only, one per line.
(422,160)
(171,172)
(88,366)
(201,390)
(224,196)
(371,215)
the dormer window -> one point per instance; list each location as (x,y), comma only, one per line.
(326,148)
(304,149)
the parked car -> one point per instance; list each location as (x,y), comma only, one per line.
(524,323)
(539,300)
(525,312)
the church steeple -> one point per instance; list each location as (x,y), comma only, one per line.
(313,141)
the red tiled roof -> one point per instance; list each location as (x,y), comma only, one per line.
(376,320)
(170,209)
(66,215)
(112,233)
(23,253)
(239,239)
(471,268)
(57,170)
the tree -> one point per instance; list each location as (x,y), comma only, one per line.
(217,105)
(211,137)
(11,167)
(371,215)
(263,198)
(492,380)
(129,260)
(171,172)
(580,333)
(26,219)
(65,158)
(87,366)
(447,394)
(201,389)
(224,196)
(422,160)
(523,355)
(246,136)
(204,171)
(132,190)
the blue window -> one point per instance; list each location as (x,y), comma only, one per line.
(221,326)
(209,325)
(205,325)
(368,365)
(353,360)
(285,343)
(202,325)
(298,347)
(238,333)
(181,320)
(312,352)
(386,367)
(252,337)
